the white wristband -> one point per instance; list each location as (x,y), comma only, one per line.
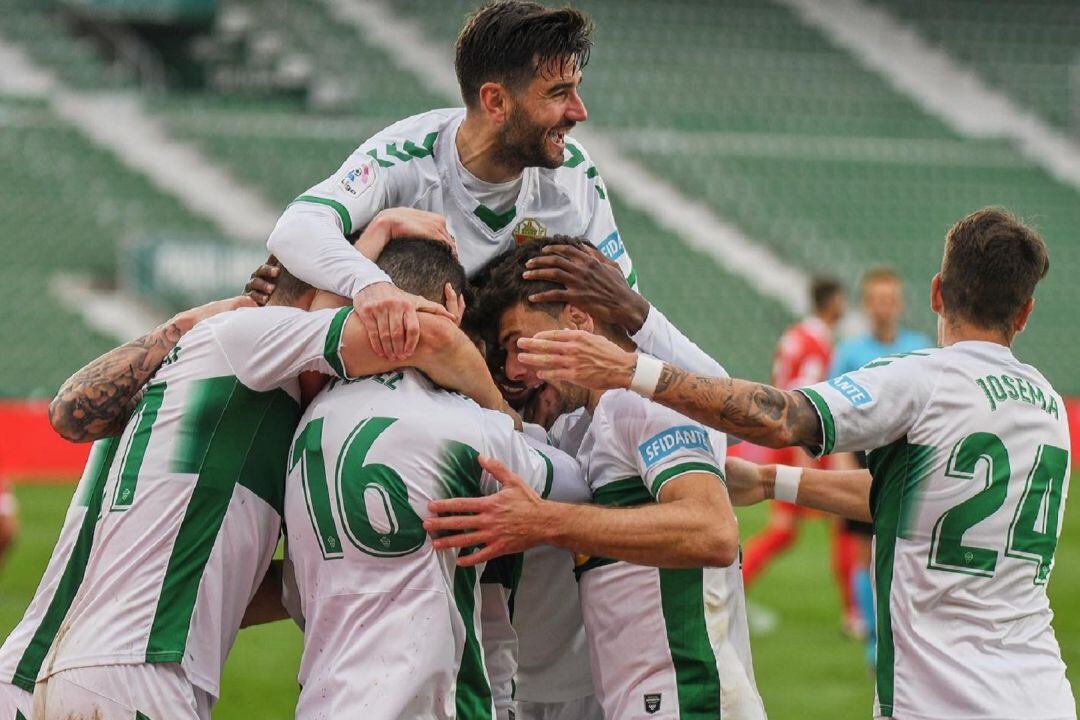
(646,375)
(786,487)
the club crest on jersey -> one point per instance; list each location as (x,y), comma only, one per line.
(529,229)
(855,393)
(612,247)
(682,437)
(359,179)
(652,703)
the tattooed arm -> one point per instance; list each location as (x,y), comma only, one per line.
(97,400)
(759,413)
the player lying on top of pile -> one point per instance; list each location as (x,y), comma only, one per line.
(178,513)
(968,471)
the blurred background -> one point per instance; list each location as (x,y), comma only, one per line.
(148,146)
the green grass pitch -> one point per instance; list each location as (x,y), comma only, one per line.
(805,668)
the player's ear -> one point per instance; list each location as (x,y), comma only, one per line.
(936,303)
(577,319)
(495,101)
(1022,317)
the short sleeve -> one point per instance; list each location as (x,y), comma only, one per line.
(666,444)
(567,480)
(869,408)
(509,446)
(267,346)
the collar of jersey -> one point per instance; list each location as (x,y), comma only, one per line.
(451,178)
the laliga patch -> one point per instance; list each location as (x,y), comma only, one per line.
(682,437)
(359,179)
(855,393)
(612,247)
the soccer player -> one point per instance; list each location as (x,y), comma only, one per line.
(193,487)
(661,593)
(500,170)
(803,357)
(392,629)
(882,298)
(968,451)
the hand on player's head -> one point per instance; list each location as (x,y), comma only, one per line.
(589,281)
(578,357)
(389,317)
(260,286)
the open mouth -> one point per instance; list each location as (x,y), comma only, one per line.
(516,394)
(557,137)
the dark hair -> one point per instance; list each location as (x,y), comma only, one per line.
(287,288)
(509,41)
(502,286)
(991,265)
(822,290)
(422,267)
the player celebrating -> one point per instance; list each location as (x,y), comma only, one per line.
(803,357)
(968,449)
(501,170)
(369,455)
(140,605)
(681,645)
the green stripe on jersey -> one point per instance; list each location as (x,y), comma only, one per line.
(631,279)
(101,459)
(459,470)
(341,210)
(550,474)
(828,427)
(623,493)
(332,345)
(19,715)
(474,700)
(495,221)
(147,412)
(898,470)
(681,469)
(698,681)
(231,435)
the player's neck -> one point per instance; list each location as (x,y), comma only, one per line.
(476,144)
(959,331)
(885,334)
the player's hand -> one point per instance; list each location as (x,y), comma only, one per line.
(455,303)
(748,483)
(505,523)
(389,317)
(592,283)
(403,222)
(260,286)
(190,318)
(578,357)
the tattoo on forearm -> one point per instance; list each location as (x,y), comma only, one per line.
(97,400)
(752,411)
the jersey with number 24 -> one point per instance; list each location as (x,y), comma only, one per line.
(969,451)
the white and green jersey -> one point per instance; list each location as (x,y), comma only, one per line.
(391,626)
(175,520)
(414,163)
(969,451)
(664,643)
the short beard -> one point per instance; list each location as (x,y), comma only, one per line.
(522,144)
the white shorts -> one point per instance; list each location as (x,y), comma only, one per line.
(8,506)
(151,691)
(586,708)
(15,703)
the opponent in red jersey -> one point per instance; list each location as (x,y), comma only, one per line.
(803,357)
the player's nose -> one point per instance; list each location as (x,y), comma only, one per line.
(576,111)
